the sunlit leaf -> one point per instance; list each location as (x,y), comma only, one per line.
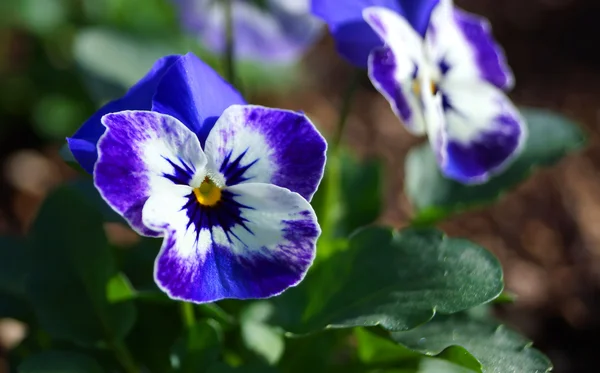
(376,349)
(498,349)
(398,280)
(119,289)
(260,337)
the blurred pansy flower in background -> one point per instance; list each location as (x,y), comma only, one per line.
(182,156)
(443,75)
(269,31)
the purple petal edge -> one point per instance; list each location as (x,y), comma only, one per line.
(222,274)
(489,56)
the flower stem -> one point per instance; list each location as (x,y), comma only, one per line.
(229,43)
(345,109)
(333,168)
(188,314)
(124,356)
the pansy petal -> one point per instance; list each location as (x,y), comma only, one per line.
(279,34)
(385,74)
(195,94)
(354,39)
(393,68)
(417,13)
(399,35)
(463,45)
(255,144)
(484,132)
(139,97)
(257,242)
(140,154)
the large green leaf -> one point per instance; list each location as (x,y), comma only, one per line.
(59,362)
(441,366)
(394,279)
(377,349)
(551,137)
(70,270)
(374,349)
(498,349)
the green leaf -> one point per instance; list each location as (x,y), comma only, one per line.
(551,137)
(350,196)
(256,77)
(119,289)
(429,365)
(59,362)
(118,57)
(249,368)
(260,337)
(42,16)
(157,328)
(324,350)
(498,349)
(85,187)
(15,307)
(56,116)
(71,268)
(373,349)
(441,365)
(13,266)
(394,279)
(362,193)
(200,347)
(13,271)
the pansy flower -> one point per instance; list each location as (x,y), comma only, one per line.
(273,31)
(182,156)
(443,75)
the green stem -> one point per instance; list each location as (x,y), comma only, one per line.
(123,355)
(120,349)
(229,43)
(345,109)
(333,169)
(188,314)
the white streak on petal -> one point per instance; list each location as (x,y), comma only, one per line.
(232,134)
(165,212)
(399,35)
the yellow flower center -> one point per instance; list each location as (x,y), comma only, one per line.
(207,194)
(416,87)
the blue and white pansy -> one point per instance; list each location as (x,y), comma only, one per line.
(225,183)
(267,31)
(443,75)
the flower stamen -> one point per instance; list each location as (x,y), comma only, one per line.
(416,87)
(207,194)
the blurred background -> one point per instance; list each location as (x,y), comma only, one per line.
(61,59)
